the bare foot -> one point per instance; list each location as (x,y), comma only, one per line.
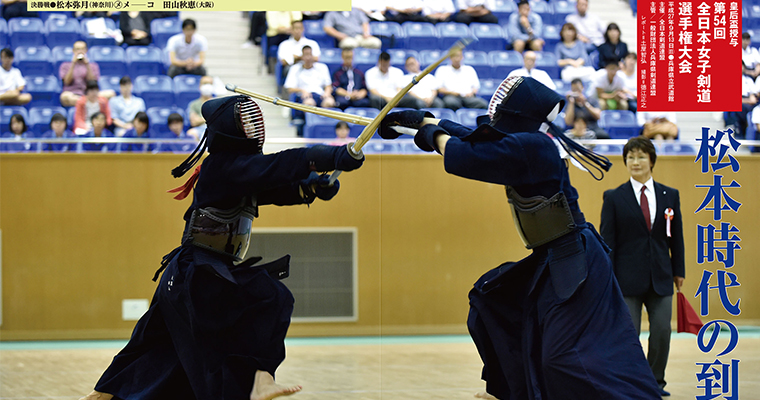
(484,395)
(264,387)
(95,395)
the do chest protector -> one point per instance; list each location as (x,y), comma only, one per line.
(540,220)
(226,232)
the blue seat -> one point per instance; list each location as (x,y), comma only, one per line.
(544,9)
(399,56)
(159,116)
(45,90)
(47,15)
(490,37)
(610,149)
(70,116)
(362,112)
(504,62)
(443,113)
(60,55)
(332,58)
(677,148)
(26,32)
(62,31)
(487,88)
(110,82)
(551,36)
(39,118)
(468,116)
(428,57)
(479,60)
(110,59)
(503,8)
(6,112)
(450,32)
(562,87)
(619,124)
(562,8)
(547,61)
(97,38)
(390,33)
(754,17)
(420,35)
(186,89)
(754,35)
(161,29)
(314,30)
(318,126)
(3,33)
(155,90)
(144,60)
(365,59)
(33,61)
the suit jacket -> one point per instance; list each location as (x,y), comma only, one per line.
(641,258)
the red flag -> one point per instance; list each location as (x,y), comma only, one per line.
(688,320)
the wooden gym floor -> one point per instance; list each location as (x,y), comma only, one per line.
(371,368)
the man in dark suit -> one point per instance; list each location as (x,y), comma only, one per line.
(641,222)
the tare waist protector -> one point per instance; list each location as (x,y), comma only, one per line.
(540,220)
(226,232)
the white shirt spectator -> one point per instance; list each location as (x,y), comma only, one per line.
(749,86)
(750,57)
(463,80)
(184,50)
(589,26)
(291,48)
(600,81)
(386,83)
(406,4)
(10,80)
(313,79)
(537,74)
(370,6)
(438,6)
(629,82)
(424,88)
(488,4)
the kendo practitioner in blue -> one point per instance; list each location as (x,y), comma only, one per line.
(216,326)
(554,324)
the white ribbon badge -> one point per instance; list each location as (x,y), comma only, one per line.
(668,217)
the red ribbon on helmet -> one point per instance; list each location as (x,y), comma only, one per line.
(185,189)
(668,217)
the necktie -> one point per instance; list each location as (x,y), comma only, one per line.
(645,208)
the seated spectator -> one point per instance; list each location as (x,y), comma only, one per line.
(99,130)
(373,9)
(11,82)
(525,28)
(422,95)
(135,28)
(658,125)
(572,57)
(529,69)
(589,26)
(125,106)
(579,106)
(580,131)
(459,84)
(87,106)
(280,25)
(140,130)
(404,10)
(610,88)
(16,9)
(76,73)
(350,29)
(738,119)
(750,56)
(177,127)
(382,81)
(349,86)
(612,50)
(187,51)
(257,29)
(341,134)
(628,74)
(290,50)
(197,122)
(308,82)
(476,11)
(59,129)
(439,11)
(19,132)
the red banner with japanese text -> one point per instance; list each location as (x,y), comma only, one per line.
(689,55)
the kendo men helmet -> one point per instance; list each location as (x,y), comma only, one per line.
(523,104)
